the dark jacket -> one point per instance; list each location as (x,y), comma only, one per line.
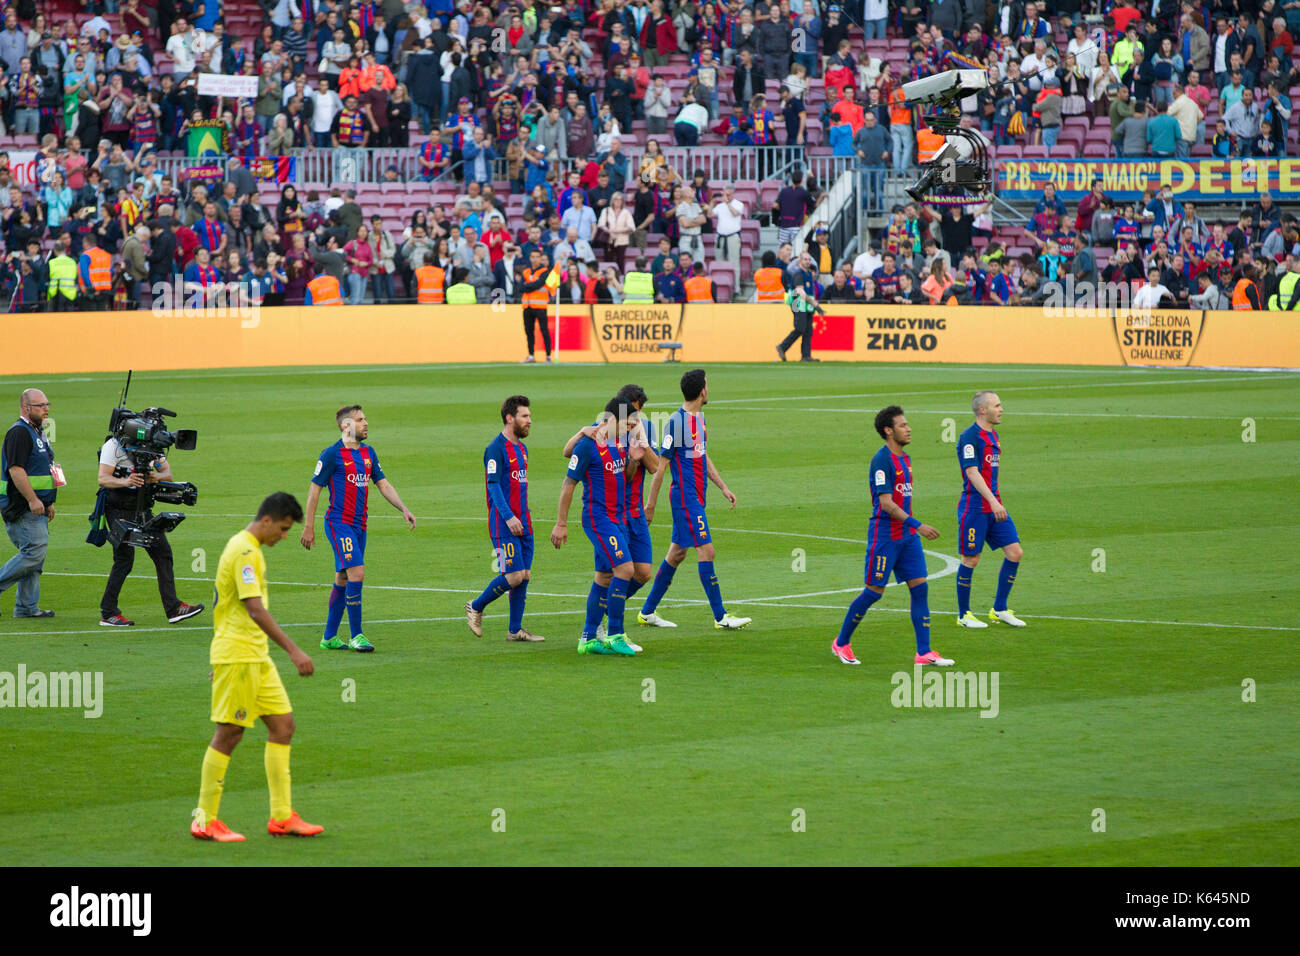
(162,255)
(758,78)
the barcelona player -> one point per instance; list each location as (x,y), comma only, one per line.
(510,522)
(245,683)
(348,468)
(599,463)
(638,528)
(981,517)
(892,542)
(685,454)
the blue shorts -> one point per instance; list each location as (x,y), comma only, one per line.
(690,528)
(514,552)
(349,544)
(979,528)
(903,557)
(638,539)
(610,544)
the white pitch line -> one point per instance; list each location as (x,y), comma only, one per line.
(1005,388)
(924,411)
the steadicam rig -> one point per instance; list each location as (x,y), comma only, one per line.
(959,172)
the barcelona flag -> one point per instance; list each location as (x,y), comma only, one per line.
(274,169)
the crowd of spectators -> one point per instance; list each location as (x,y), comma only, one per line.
(542,99)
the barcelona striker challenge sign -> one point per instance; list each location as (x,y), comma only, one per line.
(634,332)
(1160,337)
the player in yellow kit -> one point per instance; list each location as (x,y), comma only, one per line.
(245,682)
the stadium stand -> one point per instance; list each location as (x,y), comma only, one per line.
(709,96)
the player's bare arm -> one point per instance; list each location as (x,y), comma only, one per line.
(588,431)
(889,507)
(649,505)
(560,533)
(262,618)
(978,483)
(393,498)
(722,485)
(309,517)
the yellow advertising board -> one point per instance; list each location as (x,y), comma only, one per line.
(414,334)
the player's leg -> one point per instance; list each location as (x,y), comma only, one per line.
(352,598)
(638,539)
(704,554)
(518,581)
(971,532)
(338,593)
(508,551)
(910,569)
(233,693)
(1003,535)
(663,577)
(617,598)
(880,558)
(284,819)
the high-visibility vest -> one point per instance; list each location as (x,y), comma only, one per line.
(928,143)
(63,277)
(638,287)
(462,293)
(900,114)
(1284,299)
(428,285)
(1239,298)
(769,284)
(699,289)
(101,271)
(324,290)
(539,296)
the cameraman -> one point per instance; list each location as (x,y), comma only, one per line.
(117,475)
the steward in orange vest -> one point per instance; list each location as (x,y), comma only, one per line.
(928,143)
(324,290)
(94,275)
(429,285)
(1244,294)
(699,287)
(769,281)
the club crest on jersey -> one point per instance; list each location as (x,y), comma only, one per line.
(241,714)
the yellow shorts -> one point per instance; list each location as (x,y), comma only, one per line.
(241,693)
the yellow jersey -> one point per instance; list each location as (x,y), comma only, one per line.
(240,574)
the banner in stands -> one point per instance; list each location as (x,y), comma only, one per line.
(1208,180)
(272,169)
(220,84)
(708,333)
(202,173)
(207,139)
(22,168)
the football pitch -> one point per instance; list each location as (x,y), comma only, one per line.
(1145,716)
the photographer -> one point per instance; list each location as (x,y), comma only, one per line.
(122,483)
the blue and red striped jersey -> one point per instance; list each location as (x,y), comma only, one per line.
(604,490)
(505,480)
(348,473)
(890,475)
(684,447)
(209,232)
(636,483)
(978,447)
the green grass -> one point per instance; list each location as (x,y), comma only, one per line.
(1115,697)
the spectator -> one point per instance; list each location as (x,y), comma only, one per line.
(617,224)
(658,102)
(1163,133)
(668,284)
(1133,133)
(1242,120)
(692,120)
